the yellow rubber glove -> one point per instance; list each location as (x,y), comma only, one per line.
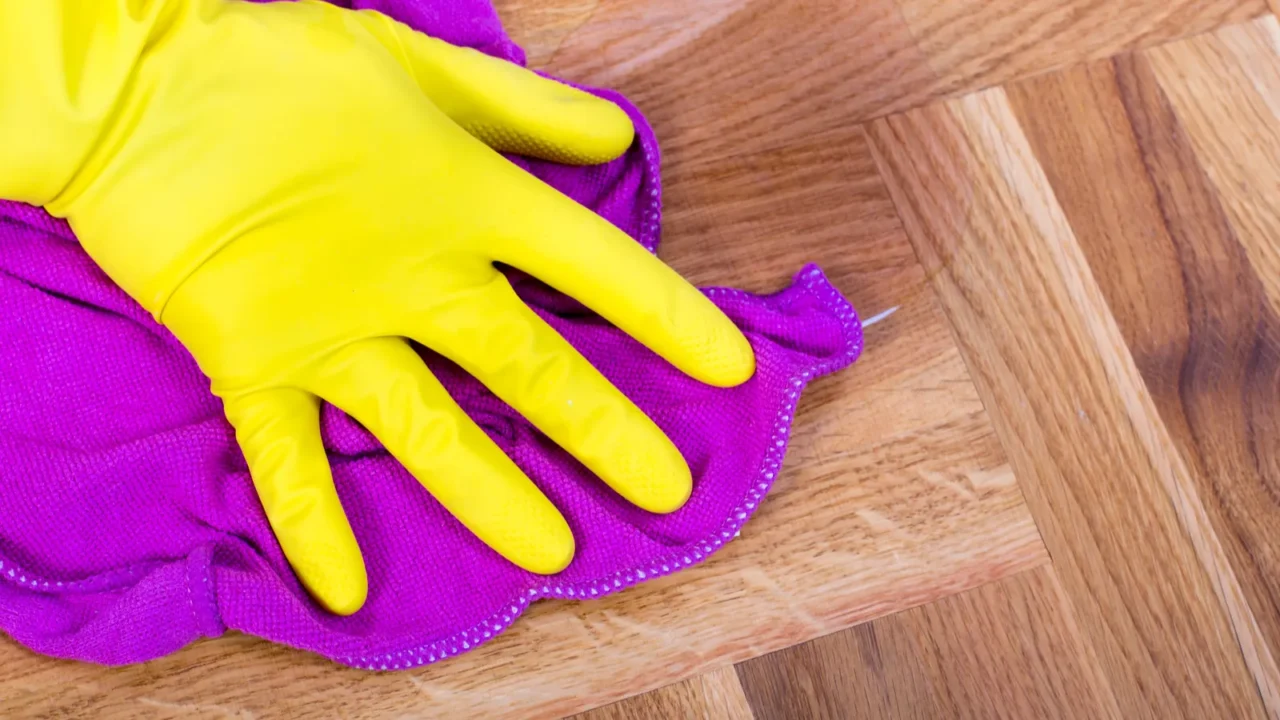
(295,190)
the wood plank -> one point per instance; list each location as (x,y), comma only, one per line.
(974,44)
(1225,87)
(895,493)
(717,695)
(869,671)
(711,74)
(1117,509)
(818,202)
(1009,649)
(1192,309)
(857,534)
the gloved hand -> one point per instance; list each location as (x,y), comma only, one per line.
(294,190)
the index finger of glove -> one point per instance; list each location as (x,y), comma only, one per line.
(583,255)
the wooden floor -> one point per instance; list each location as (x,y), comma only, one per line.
(1051,486)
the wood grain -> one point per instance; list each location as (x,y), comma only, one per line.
(1225,87)
(541,26)
(1009,649)
(1178,277)
(973,44)
(716,695)
(740,75)
(1131,541)
(712,74)
(895,493)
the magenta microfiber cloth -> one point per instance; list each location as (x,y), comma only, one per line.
(129,525)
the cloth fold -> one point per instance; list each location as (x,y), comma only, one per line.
(128,523)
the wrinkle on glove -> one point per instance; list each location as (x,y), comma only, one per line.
(129,526)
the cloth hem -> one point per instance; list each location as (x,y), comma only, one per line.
(810,278)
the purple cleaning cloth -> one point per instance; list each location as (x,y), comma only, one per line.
(129,526)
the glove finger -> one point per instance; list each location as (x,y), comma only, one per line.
(385,386)
(510,108)
(588,258)
(495,337)
(279,432)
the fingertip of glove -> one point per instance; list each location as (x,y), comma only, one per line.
(613,132)
(725,356)
(739,363)
(659,479)
(552,121)
(673,494)
(344,597)
(552,555)
(576,126)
